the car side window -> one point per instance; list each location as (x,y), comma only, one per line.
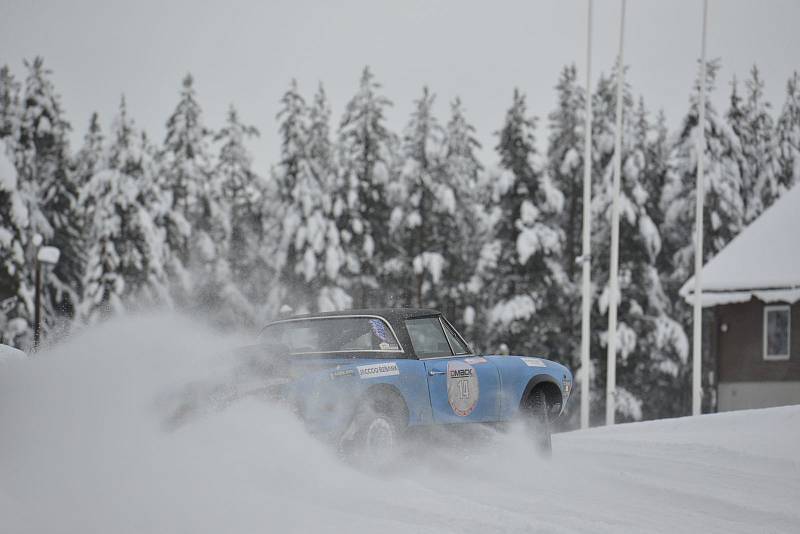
(428,337)
(458,346)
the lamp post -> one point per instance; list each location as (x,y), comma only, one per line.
(45,256)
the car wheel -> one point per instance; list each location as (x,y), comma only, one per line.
(377,436)
(536,416)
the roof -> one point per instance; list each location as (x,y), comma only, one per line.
(395,317)
(388,313)
(763,261)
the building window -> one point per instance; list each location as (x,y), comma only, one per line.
(777,324)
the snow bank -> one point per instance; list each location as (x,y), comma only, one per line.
(99,436)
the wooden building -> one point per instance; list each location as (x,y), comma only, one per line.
(753,288)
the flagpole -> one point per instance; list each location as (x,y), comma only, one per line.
(586,257)
(613,280)
(697,352)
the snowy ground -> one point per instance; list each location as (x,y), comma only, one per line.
(87,445)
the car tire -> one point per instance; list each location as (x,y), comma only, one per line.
(379,428)
(536,415)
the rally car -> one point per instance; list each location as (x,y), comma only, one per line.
(367,377)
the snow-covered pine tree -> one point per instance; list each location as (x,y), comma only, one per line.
(723,214)
(10,110)
(651,346)
(296,188)
(15,281)
(250,264)
(324,256)
(311,251)
(183,169)
(632,253)
(787,137)
(658,150)
(527,277)
(462,171)
(424,214)
(194,219)
(565,163)
(124,267)
(366,163)
(565,166)
(43,161)
(756,131)
(86,163)
(657,367)
(90,156)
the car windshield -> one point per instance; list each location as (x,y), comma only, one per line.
(330,334)
(428,337)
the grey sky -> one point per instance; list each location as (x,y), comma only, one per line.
(245,52)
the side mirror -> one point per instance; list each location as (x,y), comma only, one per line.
(10,353)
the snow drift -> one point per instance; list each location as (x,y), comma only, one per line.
(88,444)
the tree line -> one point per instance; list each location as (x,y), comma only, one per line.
(353,214)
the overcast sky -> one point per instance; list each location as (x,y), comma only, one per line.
(246,52)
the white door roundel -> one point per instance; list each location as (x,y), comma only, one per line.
(462,388)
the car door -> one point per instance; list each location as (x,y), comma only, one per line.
(463,388)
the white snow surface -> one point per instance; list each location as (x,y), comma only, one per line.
(764,255)
(85,447)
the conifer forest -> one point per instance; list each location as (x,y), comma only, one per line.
(352,214)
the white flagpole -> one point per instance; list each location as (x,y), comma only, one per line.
(613,280)
(586,258)
(697,352)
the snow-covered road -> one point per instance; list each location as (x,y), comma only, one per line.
(85,446)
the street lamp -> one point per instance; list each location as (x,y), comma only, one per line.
(47,256)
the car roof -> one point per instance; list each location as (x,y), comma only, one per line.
(396,318)
(391,314)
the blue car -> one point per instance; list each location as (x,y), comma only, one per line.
(367,377)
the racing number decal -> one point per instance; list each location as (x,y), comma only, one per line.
(462,388)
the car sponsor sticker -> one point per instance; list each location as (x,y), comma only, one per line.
(340,373)
(388,346)
(533,362)
(377,370)
(475,359)
(462,388)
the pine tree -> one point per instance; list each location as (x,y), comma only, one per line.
(787,137)
(724,210)
(423,216)
(184,176)
(15,283)
(87,162)
(723,214)
(658,157)
(324,255)
(311,244)
(124,258)
(759,182)
(250,267)
(89,158)
(295,183)
(565,166)
(565,162)
(462,171)
(526,278)
(655,368)
(43,160)
(10,110)
(366,159)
